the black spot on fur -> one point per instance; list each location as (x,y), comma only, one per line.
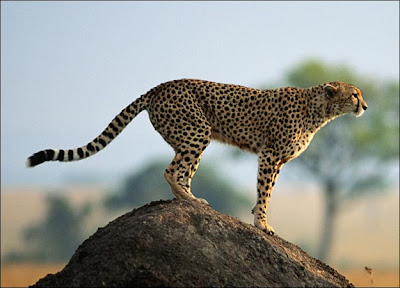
(90,147)
(80,152)
(70,155)
(60,156)
(119,123)
(49,154)
(112,126)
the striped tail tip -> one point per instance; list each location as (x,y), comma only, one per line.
(39,158)
(28,163)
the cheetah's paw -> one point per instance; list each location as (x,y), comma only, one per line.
(266,228)
(269,230)
(203,201)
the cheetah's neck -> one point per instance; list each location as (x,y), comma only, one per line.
(319,110)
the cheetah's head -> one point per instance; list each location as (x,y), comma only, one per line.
(344,98)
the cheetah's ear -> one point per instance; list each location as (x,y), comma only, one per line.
(330,90)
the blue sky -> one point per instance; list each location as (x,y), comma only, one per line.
(67,68)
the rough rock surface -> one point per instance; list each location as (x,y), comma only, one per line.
(180,243)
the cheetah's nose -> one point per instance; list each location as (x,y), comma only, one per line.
(364,107)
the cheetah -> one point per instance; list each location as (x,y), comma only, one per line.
(276,124)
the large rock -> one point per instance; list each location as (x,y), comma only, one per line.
(182,243)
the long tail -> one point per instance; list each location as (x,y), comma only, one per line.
(100,142)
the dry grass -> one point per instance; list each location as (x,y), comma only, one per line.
(379,278)
(23,275)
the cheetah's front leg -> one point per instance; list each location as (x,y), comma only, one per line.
(268,171)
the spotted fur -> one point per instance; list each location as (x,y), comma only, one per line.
(276,124)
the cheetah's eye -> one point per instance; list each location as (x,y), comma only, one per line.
(355,95)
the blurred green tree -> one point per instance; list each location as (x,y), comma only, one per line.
(349,157)
(149,184)
(57,236)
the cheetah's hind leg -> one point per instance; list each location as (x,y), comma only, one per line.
(179,174)
(187,158)
(188,134)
